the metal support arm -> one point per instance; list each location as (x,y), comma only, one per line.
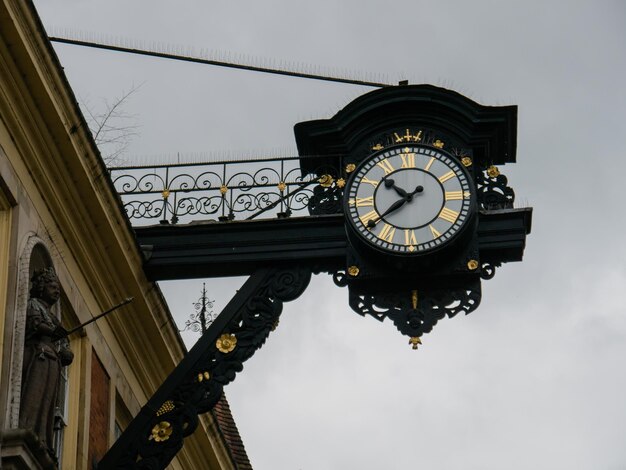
(156,434)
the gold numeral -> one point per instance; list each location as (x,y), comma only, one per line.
(433,230)
(398,138)
(408,160)
(387,233)
(452,195)
(429,164)
(448,214)
(369,181)
(364,201)
(409,237)
(386,166)
(446,177)
(371,215)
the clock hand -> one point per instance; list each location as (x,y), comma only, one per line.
(389,183)
(394,207)
(418,189)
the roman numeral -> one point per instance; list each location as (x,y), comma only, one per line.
(446,177)
(448,214)
(434,232)
(369,181)
(454,195)
(409,237)
(387,233)
(408,160)
(371,215)
(364,201)
(429,164)
(386,166)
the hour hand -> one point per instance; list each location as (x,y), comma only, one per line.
(389,183)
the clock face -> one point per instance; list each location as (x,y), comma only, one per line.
(409,200)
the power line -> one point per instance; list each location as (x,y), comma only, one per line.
(218,63)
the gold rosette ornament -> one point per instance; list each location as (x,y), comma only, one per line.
(161,432)
(226,343)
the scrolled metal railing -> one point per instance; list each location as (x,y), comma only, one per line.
(227,190)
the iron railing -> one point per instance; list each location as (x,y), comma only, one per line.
(225,190)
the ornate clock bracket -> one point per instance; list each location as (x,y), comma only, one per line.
(413,312)
(156,434)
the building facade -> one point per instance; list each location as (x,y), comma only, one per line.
(58,209)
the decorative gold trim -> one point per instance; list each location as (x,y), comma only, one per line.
(165,193)
(203,376)
(341,183)
(161,432)
(376,148)
(223,189)
(325,181)
(472,265)
(353,271)
(493,171)
(466,161)
(350,167)
(414,341)
(165,408)
(414,299)
(282,186)
(226,343)
(438,143)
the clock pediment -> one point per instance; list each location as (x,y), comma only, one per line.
(490,132)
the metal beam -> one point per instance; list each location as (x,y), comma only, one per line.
(238,248)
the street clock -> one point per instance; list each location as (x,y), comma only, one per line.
(409,200)
(418,167)
(407,208)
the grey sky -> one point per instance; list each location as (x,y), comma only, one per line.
(534,378)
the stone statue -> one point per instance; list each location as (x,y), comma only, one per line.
(46,351)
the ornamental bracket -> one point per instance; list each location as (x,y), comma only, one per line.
(156,434)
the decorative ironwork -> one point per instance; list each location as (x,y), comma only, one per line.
(154,438)
(203,317)
(488,270)
(228,190)
(492,190)
(417,312)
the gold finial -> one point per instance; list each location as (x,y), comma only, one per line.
(414,341)
(466,161)
(438,143)
(493,171)
(325,181)
(414,299)
(161,432)
(223,189)
(165,193)
(353,271)
(472,265)
(226,343)
(282,186)
(165,408)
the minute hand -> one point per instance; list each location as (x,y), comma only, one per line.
(394,207)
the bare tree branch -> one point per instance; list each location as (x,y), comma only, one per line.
(113,128)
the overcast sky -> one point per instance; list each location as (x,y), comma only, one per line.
(533,379)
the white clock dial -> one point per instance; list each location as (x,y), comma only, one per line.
(409,199)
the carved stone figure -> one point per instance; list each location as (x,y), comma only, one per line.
(46,351)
